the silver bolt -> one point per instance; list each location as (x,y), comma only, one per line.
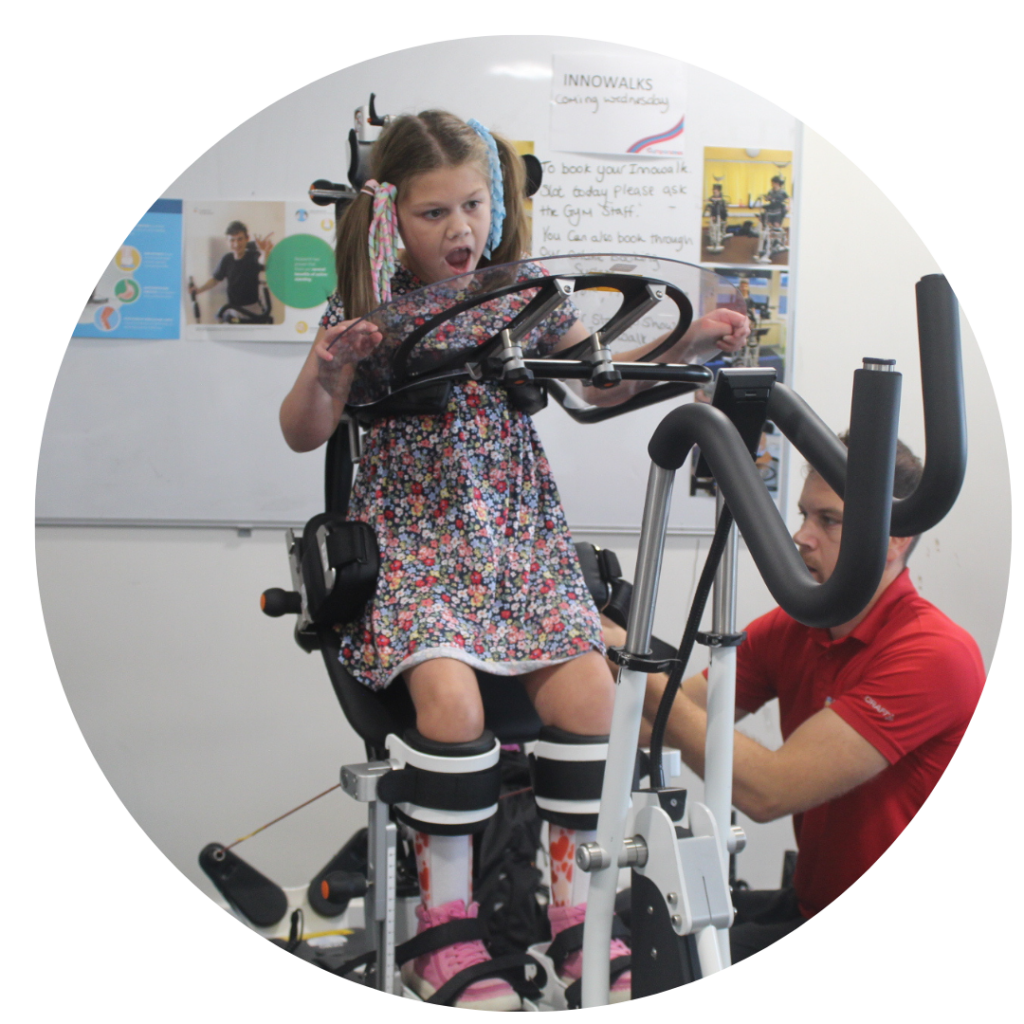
(736,839)
(650,910)
(673,898)
(677,921)
(654,954)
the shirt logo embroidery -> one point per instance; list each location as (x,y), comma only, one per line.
(884,712)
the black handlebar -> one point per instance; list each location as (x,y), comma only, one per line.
(945,421)
(869,472)
(861,474)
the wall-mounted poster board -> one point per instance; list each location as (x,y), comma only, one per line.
(183,429)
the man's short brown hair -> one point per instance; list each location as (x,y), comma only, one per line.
(907,476)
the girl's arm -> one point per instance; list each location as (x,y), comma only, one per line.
(722,329)
(309,413)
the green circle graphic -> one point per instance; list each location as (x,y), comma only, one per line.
(300,271)
(127,290)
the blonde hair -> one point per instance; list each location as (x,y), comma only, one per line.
(412,144)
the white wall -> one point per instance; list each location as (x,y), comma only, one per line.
(208,721)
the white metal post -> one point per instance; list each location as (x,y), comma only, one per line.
(718,744)
(616,791)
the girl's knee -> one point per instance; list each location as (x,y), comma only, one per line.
(447,701)
(577,696)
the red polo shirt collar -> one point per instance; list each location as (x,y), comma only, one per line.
(868,628)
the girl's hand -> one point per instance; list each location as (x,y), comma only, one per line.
(347,342)
(726,328)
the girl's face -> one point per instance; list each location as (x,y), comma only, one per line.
(444,216)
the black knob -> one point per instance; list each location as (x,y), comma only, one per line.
(605,378)
(277,602)
(342,886)
(324,192)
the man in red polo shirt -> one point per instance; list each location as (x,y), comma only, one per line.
(871,713)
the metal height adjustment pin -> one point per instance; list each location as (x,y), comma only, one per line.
(515,370)
(592,857)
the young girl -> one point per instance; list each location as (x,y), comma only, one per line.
(478,570)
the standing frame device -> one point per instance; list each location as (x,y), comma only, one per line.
(679,851)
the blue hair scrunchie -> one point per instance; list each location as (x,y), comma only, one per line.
(497,187)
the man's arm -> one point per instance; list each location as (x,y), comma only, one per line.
(264,244)
(823,759)
(212,283)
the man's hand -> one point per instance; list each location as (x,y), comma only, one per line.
(820,761)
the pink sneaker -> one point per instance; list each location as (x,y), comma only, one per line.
(427,973)
(572,967)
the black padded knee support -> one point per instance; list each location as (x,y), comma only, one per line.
(443,789)
(568,771)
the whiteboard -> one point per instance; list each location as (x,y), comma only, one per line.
(184,432)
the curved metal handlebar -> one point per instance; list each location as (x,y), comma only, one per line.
(945,422)
(635,291)
(869,472)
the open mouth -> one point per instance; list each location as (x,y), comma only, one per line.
(459,259)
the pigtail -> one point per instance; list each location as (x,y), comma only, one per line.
(515,236)
(352,258)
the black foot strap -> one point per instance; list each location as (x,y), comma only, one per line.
(512,968)
(570,941)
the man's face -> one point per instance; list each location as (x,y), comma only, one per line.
(238,243)
(818,539)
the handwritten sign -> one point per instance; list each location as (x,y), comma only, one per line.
(608,204)
(614,104)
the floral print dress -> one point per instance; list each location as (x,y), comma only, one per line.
(477,562)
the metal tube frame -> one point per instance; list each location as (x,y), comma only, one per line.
(616,796)
(616,792)
(721,702)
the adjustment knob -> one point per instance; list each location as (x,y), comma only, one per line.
(276,602)
(342,886)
